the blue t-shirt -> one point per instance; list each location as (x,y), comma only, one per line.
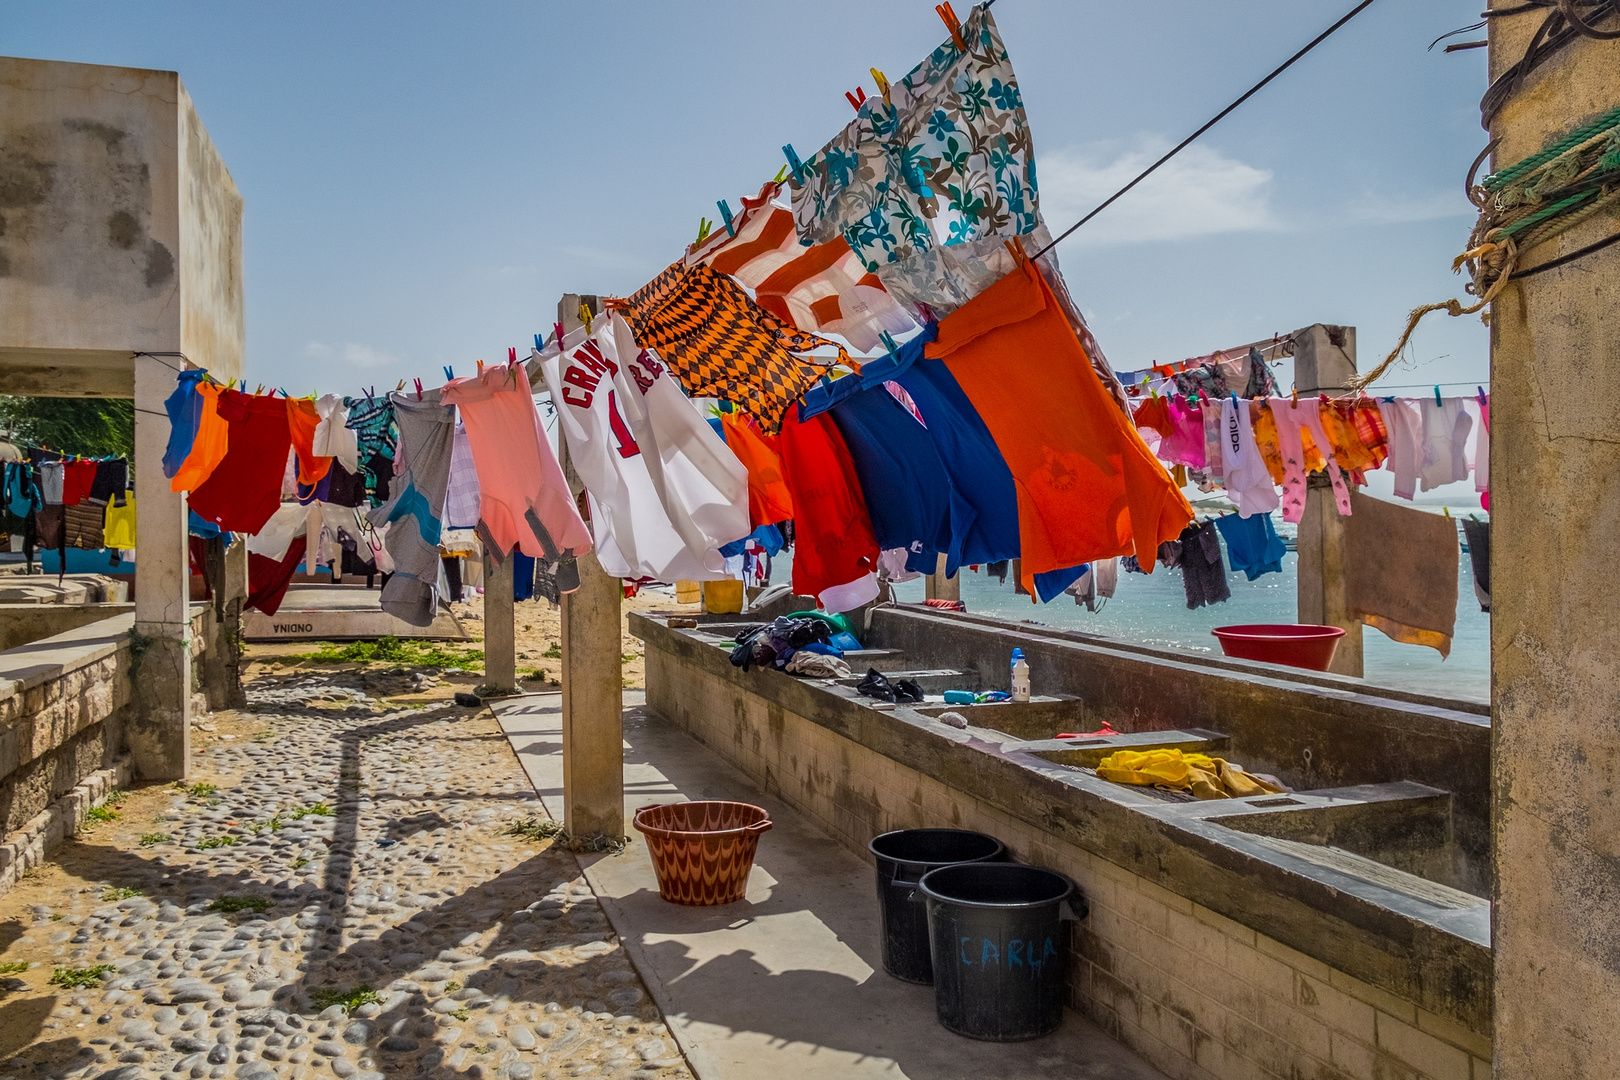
(1252,545)
(906,489)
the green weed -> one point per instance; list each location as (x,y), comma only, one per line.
(15,967)
(152,838)
(198,790)
(553,652)
(211,842)
(79,978)
(452,986)
(533,829)
(461,1013)
(122,893)
(392,650)
(350,999)
(230,905)
(299,864)
(319,809)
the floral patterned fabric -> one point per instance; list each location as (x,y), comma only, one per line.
(925,189)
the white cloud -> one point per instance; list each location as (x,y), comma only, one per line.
(1385,209)
(361,356)
(1198,192)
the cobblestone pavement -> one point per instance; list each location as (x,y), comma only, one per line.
(336,894)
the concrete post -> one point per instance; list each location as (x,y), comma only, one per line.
(1324,362)
(500,633)
(159,729)
(592,675)
(222,661)
(1555,509)
(937,586)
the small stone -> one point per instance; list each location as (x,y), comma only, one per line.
(399,1044)
(522,1038)
(344,1067)
(358,1032)
(520,1070)
(328,1049)
(651,1049)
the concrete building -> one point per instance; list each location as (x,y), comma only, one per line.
(121,263)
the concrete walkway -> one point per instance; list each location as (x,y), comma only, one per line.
(788,983)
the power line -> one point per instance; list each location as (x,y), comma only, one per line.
(1256,88)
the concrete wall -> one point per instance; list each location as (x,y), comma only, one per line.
(1198,993)
(1555,507)
(120,229)
(23,623)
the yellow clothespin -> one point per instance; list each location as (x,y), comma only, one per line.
(585,311)
(1446,510)
(400,387)
(258,390)
(883,86)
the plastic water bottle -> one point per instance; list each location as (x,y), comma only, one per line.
(1020,676)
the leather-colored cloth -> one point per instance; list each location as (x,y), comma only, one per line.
(1204,776)
(1088,487)
(1401,570)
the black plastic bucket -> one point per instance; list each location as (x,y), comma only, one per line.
(1000,950)
(903,857)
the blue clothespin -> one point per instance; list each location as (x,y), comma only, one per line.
(1480,390)
(449,373)
(794,163)
(540,343)
(1437,400)
(888,343)
(725,214)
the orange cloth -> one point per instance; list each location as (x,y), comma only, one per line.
(1341,432)
(209,447)
(769,500)
(1088,488)
(1155,413)
(301,421)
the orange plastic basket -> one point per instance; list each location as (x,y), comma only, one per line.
(702,851)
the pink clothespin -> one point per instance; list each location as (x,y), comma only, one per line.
(511,356)
(418,389)
(557,328)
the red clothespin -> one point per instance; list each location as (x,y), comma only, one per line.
(557,328)
(857,99)
(511,356)
(952,23)
(418,389)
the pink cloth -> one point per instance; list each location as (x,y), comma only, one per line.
(1292,417)
(1184,446)
(523,499)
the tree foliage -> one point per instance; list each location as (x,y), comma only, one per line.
(92,427)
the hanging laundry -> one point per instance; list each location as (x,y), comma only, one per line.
(1401,569)
(118,523)
(522,576)
(1405,444)
(701,484)
(184,407)
(903,482)
(925,191)
(210,444)
(1087,485)
(719,343)
(1154,415)
(765,241)
(634,535)
(412,513)
(1247,479)
(1252,544)
(1482,452)
(1478,534)
(1445,442)
(112,478)
(244,489)
(83,526)
(1297,420)
(302,420)
(376,433)
(273,540)
(835,554)
(829,291)
(342,487)
(1185,445)
(333,438)
(769,500)
(1203,573)
(52,482)
(268,578)
(1344,441)
(1367,421)
(462,500)
(78,478)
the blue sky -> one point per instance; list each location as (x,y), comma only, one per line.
(423,180)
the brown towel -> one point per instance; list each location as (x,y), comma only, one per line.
(1401,567)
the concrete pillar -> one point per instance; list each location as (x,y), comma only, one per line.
(1555,510)
(500,633)
(222,660)
(1324,358)
(592,674)
(159,729)
(1322,574)
(937,586)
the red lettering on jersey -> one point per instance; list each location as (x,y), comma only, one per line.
(621,431)
(584,403)
(649,360)
(589,355)
(580,378)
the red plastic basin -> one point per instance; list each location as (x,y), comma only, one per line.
(1302,645)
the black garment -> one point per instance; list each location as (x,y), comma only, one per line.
(1203,571)
(997,570)
(345,488)
(452,574)
(1478,534)
(877,685)
(377,471)
(353,564)
(112,478)
(48,526)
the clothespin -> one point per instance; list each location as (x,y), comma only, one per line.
(480,363)
(857,99)
(557,328)
(418,389)
(1296,395)
(704,225)
(400,387)
(585,315)
(794,163)
(259,390)
(781,175)
(888,343)
(1017,251)
(371,394)
(952,23)
(883,87)
(1437,399)
(284,393)
(1480,392)
(725,215)
(449,373)
(1446,510)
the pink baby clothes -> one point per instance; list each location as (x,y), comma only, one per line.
(1185,445)
(1293,417)
(1405,444)
(523,499)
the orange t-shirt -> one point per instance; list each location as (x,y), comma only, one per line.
(769,500)
(209,447)
(301,421)
(1088,488)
